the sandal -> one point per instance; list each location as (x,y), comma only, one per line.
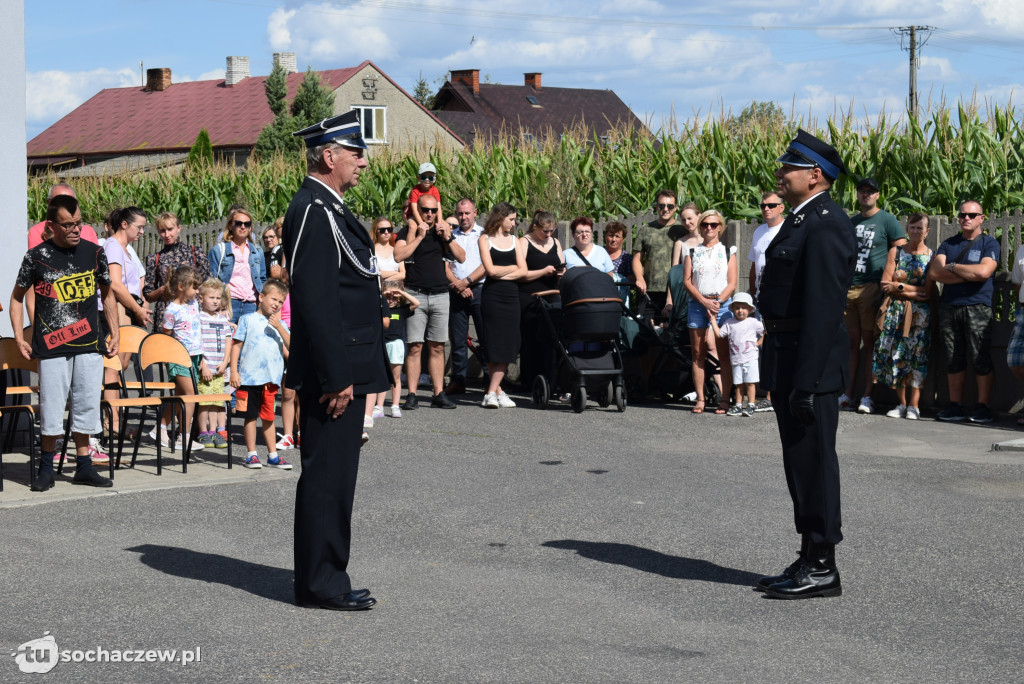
(723,408)
(698,407)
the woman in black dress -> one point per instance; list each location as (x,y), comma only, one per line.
(544,261)
(500,299)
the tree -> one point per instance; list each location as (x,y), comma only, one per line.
(422,93)
(313,101)
(276,88)
(276,137)
(758,114)
(200,155)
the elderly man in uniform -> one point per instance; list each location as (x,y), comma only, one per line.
(805,358)
(337,357)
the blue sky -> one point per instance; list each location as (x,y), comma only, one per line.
(664,59)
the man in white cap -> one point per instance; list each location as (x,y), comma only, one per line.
(337,357)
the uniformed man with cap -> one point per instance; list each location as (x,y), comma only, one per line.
(805,356)
(337,356)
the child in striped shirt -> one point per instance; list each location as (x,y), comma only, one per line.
(217,335)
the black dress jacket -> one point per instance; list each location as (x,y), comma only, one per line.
(808,270)
(337,311)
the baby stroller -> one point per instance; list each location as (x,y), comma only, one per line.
(584,333)
(659,359)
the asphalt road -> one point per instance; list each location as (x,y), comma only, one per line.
(527,546)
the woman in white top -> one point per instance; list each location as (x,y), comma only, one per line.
(383,230)
(584,252)
(688,214)
(709,274)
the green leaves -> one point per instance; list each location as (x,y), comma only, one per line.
(930,166)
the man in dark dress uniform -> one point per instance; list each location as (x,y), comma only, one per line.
(337,357)
(805,358)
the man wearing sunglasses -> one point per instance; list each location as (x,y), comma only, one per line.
(804,357)
(652,251)
(878,231)
(337,356)
(965,265)
(424,249)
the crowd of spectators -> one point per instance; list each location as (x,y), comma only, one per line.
(438,275)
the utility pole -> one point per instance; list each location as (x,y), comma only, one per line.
(915,60)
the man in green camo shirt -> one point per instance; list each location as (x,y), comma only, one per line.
(652,251)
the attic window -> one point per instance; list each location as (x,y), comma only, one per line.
(533,100)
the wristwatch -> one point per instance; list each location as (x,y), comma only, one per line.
(451,239)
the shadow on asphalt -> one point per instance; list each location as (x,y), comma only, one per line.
(639,558)
(262,580)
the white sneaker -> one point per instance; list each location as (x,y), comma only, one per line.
(367,422)
(396,411)
(286,443)
(913,413)
(490,401)
(866,405)
(898,412)
(504,401)
(378,412)
(845,403)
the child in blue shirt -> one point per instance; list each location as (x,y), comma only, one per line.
(257,363)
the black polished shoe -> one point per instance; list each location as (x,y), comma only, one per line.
(456,386)
(347,601)
(442,401)
(43,482)
(411,402)
(359,593)
(90,477)
(763,583)
(817,576)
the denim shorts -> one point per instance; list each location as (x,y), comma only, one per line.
(697,314)
(429,321)
(746,372)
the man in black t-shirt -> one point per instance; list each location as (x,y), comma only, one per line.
(424,249)
(67,336)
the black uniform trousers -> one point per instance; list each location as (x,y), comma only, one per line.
(323,502)
(812,465)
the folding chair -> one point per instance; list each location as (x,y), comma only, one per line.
(12,360)
(160,348)
(123,403)
(131,338)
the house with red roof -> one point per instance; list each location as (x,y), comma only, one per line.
(478,111)
(153,126)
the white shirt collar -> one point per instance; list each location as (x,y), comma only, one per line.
(804,203)
(329,188)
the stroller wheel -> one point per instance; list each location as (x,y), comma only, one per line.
(541,392)
(620,398)
(605,397)
(579,399)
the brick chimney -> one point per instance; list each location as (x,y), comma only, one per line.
(470,77)
(287,61)
(158,79)
(238,69)
(533,79)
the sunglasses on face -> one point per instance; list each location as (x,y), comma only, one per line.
(968,215)
(243,224)
(710,225)
(665,206)
(427,177)
(428,210)
(770,205)
(385,229)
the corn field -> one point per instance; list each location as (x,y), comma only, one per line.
(950,156)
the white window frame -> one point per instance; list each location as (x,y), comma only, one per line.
(380,137)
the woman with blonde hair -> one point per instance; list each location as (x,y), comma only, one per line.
(709,274)
(239,262)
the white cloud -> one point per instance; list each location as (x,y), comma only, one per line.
(331,35)
(277,29)
(50,95)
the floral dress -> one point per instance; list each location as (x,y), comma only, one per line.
(903,360)
(158,272)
